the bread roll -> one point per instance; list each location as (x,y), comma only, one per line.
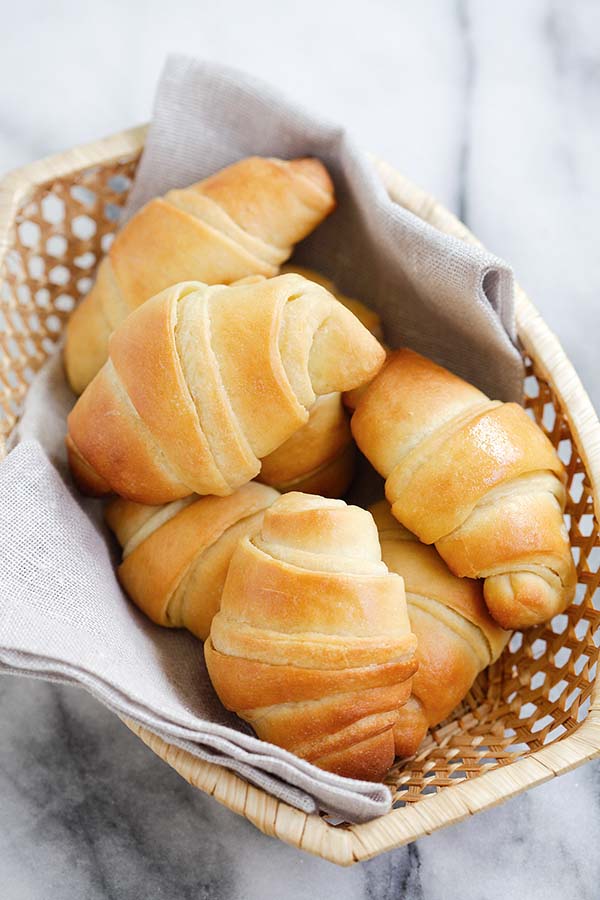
(475,477)
(175,557)
(456,636)
(204,382)
(369,318)
(320,457)
(312,644)
(242,221)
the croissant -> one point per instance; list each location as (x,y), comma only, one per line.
(369,318)
(475,477)
(365,314)
(456,636)
(312,644)
(203,382)
(320,457)
(242,221)
(175,557)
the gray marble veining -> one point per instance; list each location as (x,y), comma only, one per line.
(494,109)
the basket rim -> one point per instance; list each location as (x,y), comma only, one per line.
(312,833)
(16,183)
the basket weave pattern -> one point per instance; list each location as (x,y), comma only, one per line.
(532,705)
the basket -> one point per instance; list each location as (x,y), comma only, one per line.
(535,714)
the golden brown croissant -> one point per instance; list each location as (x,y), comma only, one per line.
(242,221)
(312,644)
(363,313)
(203,382)
(176,556)
(456,636)
(319,457)
(475,477)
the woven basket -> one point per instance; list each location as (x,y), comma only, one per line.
(533,715)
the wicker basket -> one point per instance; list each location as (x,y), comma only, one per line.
(534,715)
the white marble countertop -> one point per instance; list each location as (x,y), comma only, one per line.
(493,108)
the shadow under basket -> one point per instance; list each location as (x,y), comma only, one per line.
(533,715)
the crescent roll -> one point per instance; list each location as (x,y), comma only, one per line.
(364,313)
(176,556)
(244,220)
(320,457)
(475,477)
(456,636)
(204,382)
(312,644)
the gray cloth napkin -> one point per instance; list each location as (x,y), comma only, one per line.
(446,299)
(62,614)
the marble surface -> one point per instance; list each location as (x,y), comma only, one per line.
(493,108)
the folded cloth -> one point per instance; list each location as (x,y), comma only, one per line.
(63,616)
(446,299)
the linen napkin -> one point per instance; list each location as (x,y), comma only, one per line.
(63,616)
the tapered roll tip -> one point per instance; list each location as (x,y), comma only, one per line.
(411,728)
(522,599)
(314,170)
